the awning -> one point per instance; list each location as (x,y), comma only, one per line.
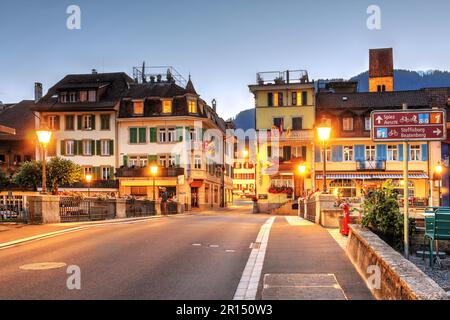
(197,184)
(371,176)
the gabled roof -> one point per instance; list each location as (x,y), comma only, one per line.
(115,84)
(160,90)
(19,117)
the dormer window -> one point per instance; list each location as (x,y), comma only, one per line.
(92,96)
(138,108)
(192,106)
(167,106)
(63,97)
(83,96)
(347,124)
(72,97)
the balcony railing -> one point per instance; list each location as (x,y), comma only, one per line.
(376,165)
(96,184)
(138,172)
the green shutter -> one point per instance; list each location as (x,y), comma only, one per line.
(93,122)
(179,132)
(98,150)
(63,147)
(152,158)
(97,171)
(153,135)
(177,160)
(79,147)
(80,122)
(133,135)
(93,147)
(142,135)
(111,147)
(125,161)
(188,133)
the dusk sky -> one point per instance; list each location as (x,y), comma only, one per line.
(221,43)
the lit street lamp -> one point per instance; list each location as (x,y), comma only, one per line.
(324,132)
(44,137)
(302,172)
(88,178)
(438,172)
(154,172)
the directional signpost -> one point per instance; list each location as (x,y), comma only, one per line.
(406,126)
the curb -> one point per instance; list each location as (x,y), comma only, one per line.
(81,226)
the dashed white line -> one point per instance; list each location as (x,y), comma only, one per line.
(248,286)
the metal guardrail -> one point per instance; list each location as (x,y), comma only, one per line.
(75,209)
(140,208)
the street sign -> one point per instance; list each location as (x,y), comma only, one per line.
(409,125)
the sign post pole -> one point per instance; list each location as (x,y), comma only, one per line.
(406,195)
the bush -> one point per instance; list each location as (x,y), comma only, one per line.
(3,179)
(29,175)
(382,216)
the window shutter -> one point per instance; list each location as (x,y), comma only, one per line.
(269,151)
(304,153)
(409,152)
(57,123)
(188,133)
(179,132)
(97,173)
(93,122)
(152,158)
(318,153)
(359,153)
(400,152)
(153,135)
(111,147)
(142,135)
(381,152)
(125,161)
(287,153)
(93,147)
(80,122)
(63,147)
(133,135)
(99,148)
(424,152)
(334,153)
(177,160)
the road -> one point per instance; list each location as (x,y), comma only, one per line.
(194,257)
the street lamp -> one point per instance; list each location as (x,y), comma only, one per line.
(154,172)
(44,137)
(245,153)
(88,178)
(302,172)
(324,132)
(438,172)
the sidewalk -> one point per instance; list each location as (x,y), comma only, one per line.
(304,262)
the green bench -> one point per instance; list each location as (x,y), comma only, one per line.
(437,227)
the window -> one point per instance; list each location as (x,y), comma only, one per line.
(392,153)
(297,152)
(347,124)
(73,97)
(106,173)
(87,170)
(294,98)
(270,99)
(328,154)
(53,122)
(192,106)
(105,120)
(17,159)
(297,123)
(367,123)
(105,148)
(83,96)
(348,153)
(63,97)
(280,99)
(70,148)
(171,161)
(162,135)
(278,122)
(70,123)
(198,162)
(87,122)
(26,158)
(162,161)
(304,98)
(143,161)
(138,161)
(370,153)
(87,147)
(167,106)
(193,134)
(138,108)
(171,134)
(92,96)
(139,191)
(415,153)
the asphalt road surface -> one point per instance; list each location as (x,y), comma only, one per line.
(195,257)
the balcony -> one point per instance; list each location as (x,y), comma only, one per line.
(377,165)
(96,184)
(138,172)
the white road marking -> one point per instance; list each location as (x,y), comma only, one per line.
(43,266)
(213,246)
(230,251)
(248,286)
(197,244)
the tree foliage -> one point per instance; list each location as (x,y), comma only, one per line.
(3,179)
(382,215)
(59,172)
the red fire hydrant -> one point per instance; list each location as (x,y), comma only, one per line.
(345,222)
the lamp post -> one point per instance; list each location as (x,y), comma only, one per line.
(302,171)
(438,172)
(154,172)
(88,178)
(44,137)
(324,131)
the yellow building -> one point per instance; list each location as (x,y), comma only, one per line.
(285,116)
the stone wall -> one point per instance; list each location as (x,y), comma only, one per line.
(400,278)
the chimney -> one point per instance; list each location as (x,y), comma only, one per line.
(214,105)
(94,71)
(37,91)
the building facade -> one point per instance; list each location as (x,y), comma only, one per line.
(244,178)
(285,117)
(166,125)
(81,111)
